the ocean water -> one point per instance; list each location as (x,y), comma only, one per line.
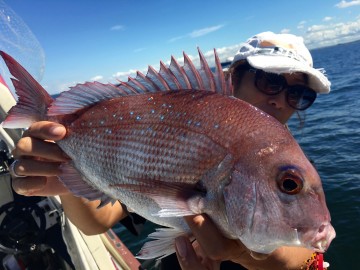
(330,135)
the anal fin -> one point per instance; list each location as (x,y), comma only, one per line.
(162,245)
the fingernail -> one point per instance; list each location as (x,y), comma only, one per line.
(26,192)
(181,247)
(57,130)
(29,193)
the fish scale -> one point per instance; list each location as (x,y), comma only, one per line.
(175,143)
(169,143)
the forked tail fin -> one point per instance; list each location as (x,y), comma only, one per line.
(33,99)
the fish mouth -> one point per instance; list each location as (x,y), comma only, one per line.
(323,237)
(321,246)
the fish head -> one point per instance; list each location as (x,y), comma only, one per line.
(275,198)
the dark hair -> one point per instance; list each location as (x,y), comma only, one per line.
(237,72)
(301,115)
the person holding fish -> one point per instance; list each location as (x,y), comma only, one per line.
(272,72)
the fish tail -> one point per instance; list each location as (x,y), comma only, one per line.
(33,100)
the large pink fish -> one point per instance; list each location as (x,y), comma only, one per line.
(176,143)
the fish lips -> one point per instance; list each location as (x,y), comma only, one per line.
(320,240)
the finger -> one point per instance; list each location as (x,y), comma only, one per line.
(186,255)
(205,260)
(39,186)
(46,130)
(53,187)
(217,247)
(29,185)
(30,167)
(32,147)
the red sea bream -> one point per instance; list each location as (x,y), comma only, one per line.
(176,142)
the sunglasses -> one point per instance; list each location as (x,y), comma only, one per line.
(299,97)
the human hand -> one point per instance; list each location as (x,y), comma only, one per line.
(207,252)
(215,247)
(192,257)
(38,159)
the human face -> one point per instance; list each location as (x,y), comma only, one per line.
(275,105)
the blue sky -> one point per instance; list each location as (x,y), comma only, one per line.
(104,40)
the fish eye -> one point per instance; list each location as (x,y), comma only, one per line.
(290,183)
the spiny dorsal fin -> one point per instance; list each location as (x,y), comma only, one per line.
(219,75)
(170,79)
(147,83)
(176,77)
(206,73)
(156,78)
(179,73)
(192,73)
(173,77)
(136,84)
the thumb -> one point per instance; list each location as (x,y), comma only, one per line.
(186,255)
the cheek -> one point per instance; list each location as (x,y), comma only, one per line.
(286,115)
(247,92)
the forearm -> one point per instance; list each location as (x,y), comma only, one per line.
(85,215)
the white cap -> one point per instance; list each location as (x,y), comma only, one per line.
(282,53)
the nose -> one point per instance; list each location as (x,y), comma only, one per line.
(278,101)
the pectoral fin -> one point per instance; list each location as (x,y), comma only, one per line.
(174,199)
(78,185)
(183,199)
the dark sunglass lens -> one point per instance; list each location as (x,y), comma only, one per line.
(269,83)
(300,97)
